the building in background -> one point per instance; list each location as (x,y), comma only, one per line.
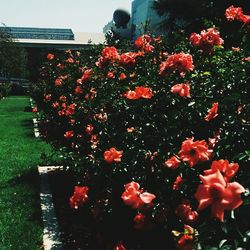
(52,38)
(143,19)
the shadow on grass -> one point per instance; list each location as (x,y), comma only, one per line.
(30,180)
(27,109)
(29,127)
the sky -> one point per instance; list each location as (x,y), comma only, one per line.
(79,15)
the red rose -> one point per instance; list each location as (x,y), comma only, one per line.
(207,39)
(228,170)
(110,54)
(135,197)
(139,220)
(69,134)
(50,56)
(181,89)
(122,76)
(172,162)
(217,193)
(112,155)
(34,110)
(120,246)
(70,60)
(48,97)
(55,104)
(110,75)
(194,151)
(128,59)
(185,212)
(141,41)
(213,112)
(79,197)
(186,238)
(58,82)
(78,90)
(195,39)
(89,129)
(181,62)
(178,182)
(139,92)
(233,13)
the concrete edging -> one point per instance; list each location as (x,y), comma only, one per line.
(51,233)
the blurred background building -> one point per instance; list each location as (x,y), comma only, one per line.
(142,18)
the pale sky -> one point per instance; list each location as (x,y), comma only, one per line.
(79,15)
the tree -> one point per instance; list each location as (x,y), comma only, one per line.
(13,59)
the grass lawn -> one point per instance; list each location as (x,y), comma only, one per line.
(20,215)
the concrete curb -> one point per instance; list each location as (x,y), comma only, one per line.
(51,233)
(36,129)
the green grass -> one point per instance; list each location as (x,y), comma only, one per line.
(20,215)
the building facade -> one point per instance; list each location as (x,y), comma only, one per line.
(39,33)
(143,19)
(52,38)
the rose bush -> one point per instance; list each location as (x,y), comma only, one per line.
(157,138)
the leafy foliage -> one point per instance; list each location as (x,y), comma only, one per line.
(124,100)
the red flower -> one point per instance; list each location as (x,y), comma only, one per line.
(245,19)
(55,104)
(78,90)
(113,155)
(172,162)
(50,56)
(233,13)
(217,193)
(85,77)
(237,14)
(110,75)
(122,76)
(228,170)
(130,129)
(186,240)
(207,39)
(70,60)
(94,140)
(131,95)
(144,92)
(69,134)
(70,110)
(48,97)
(195,39)
(247,59)
(79,197)
(120,246)
(110,54)
(194,151)
(63,98)
(178,182)
(139,220)
(182,89)
(135,197)
(181,62)
(89,129)
(139,92)
(58,82)
(128,59)
(185,212)
(142,41)
(34,110)
(60,66)
(213,112)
